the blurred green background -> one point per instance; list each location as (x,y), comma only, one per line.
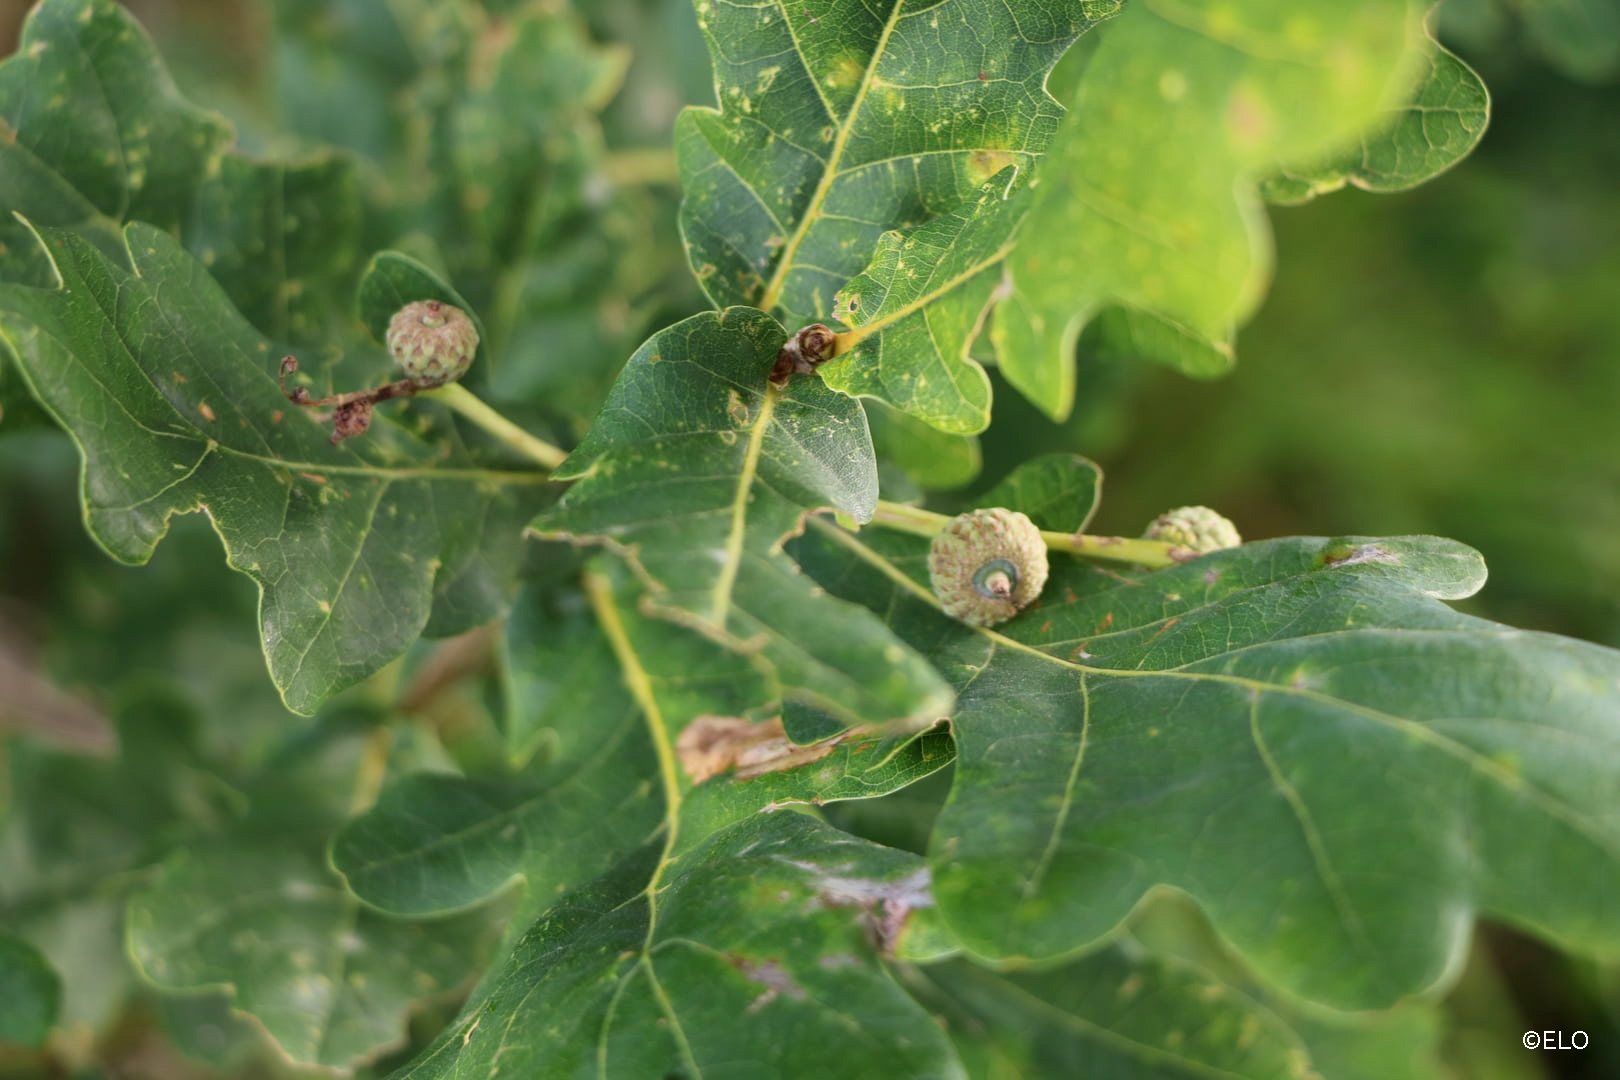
(1445,360)
(1442,361)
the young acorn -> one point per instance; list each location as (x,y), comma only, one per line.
(1197,528)
(432,342)
(987,565)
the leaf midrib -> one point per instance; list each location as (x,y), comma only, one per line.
(1315,843)
(599,590)
(726,581)
(877,325)
(773,289)
(342,586)
(197,435)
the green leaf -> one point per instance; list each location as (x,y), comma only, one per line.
(1581,38)
(1116,1013)
(840,120)
(393,279)
(438,843)
(917,309)
(435,843)
(1129,333)
(1439,125)
(204,1028)
(1402,1043)
(837,770)
(356,52)
(561,679)
(1147,197)
(525,129)
(173,401)
(329,981)
(79,833)
(751,955)
(280,238)
(250,908)
(1148,243)
(93,110)
(929,457)
(698,468)
(93,133)
(1058,492)
(30,993)
(1267,729)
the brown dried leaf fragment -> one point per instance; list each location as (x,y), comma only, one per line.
(711,745)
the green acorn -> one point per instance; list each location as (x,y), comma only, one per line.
(987,565)
(1197,528)
(432,342)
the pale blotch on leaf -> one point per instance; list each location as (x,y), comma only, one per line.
(983,164)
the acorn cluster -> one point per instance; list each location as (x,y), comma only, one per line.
(988,565)
(433,343)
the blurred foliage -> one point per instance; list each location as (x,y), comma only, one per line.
(1442,361)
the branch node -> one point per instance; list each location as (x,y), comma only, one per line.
(351,413)
(804,352)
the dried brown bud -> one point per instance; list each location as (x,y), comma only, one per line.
(350,418)
(351,413)
(804,351)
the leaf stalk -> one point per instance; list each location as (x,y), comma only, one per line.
(1153,553)
(469,405)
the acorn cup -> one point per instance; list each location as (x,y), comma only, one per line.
(987,565)
(1197,528)
(432,342)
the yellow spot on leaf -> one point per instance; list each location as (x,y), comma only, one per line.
(846,71)
(983,164)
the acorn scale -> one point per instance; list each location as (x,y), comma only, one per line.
(432,342)
(1197,528)
(987,565)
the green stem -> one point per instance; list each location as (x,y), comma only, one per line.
(911,519)
(1155,553)
(468,404)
